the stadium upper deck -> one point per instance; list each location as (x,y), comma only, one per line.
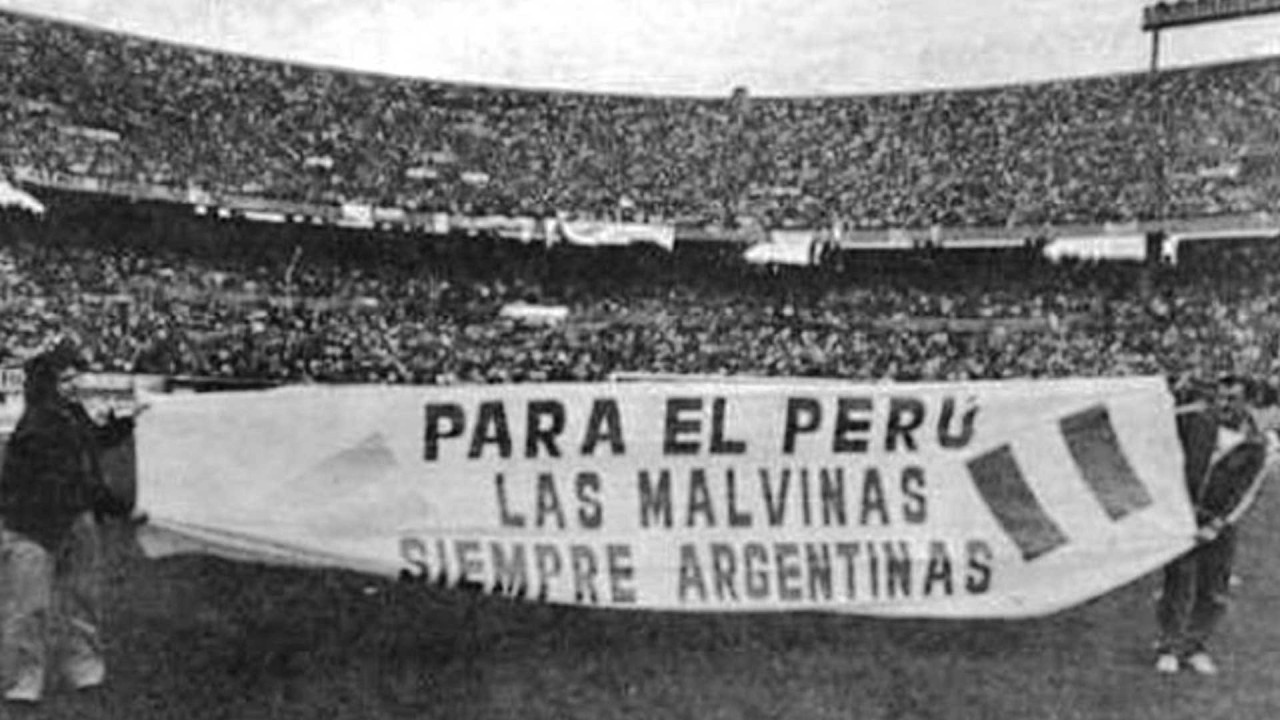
(92,102)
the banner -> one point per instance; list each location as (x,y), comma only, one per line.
(11,196)
(439,224)
(1171,245)
(355,215)
(1095,248)
(535,314)
(786,247)
(521,229)
(395,216)
(267,216)
(597,234)
(995,499)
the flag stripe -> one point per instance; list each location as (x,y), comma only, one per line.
(1004,489)
(1095,447)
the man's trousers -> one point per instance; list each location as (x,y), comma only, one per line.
(1195,592)
(52,602)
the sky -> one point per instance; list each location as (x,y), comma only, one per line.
(687,47)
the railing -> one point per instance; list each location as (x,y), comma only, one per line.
(230,204)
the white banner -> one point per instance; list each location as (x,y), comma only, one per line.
(356,215)
(521,229)
(535,314)
(1100,247)
(584,232)
(785,247)
(439,223)
(11,196)
(969,500)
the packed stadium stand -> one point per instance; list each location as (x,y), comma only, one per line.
(159,290)
(91,102)
(175,294)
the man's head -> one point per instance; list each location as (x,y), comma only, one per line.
(1230,398)
(52,375)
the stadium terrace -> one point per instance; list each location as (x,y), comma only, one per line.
(119,111)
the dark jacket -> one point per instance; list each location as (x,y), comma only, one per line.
(1220,487)
(52,472)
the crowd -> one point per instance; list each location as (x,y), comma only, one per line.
(150,292)
(1083,151)
(141,288)
(366,309)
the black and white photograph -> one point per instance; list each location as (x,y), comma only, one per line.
(608,359)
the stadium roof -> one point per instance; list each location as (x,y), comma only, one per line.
(684,47)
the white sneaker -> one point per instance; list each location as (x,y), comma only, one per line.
(28,689)
(1167,663)
(1202,663)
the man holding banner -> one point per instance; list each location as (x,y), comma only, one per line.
(1224,454)
(51,487)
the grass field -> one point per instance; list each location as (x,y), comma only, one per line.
(201,638)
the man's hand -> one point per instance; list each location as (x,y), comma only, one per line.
(1210,531)
(1206,534)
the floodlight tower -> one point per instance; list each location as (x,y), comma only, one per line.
(1185,13)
